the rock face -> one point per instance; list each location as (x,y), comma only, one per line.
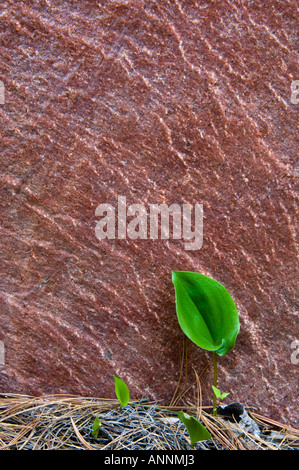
(158,102)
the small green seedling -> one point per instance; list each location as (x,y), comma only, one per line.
(218,394)
(95,427)
(121,391)
(197,432)
(207,315)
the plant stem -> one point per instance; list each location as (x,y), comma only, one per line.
(215,383)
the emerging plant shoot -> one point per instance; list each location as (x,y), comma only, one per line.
(207,314)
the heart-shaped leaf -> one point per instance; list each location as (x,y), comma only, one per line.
(196,430)
(206,311)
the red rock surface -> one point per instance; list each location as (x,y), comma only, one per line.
(174,102)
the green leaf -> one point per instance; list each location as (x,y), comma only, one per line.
(224,395)
(216,391)
(206,311)
(95,427)
(196,430)
(218,394)
(121,391)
